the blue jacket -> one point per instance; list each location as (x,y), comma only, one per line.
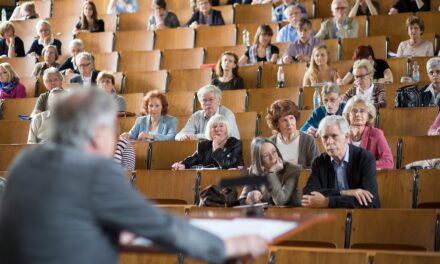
(165,131)
(317,115)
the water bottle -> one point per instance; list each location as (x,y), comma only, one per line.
(415,73)
(316,98)
(4,18)
(280,77)
(246,37)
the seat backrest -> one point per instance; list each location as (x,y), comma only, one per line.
(134,102)
(377,28)
(63,25)
(66,8)
(162,158)
(140,40)
(332,47)
(23,66)
(378,43)
(189,79)
(429,184)
(212,54)
(183,15)
(406,121)
(216,36)
(420,148)
(309,256)
(30,84)
(174,38)
(253,14)
(136,60)
(182,58)
(142,82)
(227,13)
(126,123)
(141,153)
(14,131)
(181,103)
(8,152)
(107,61)
(249,75)
(404,229)
(293,75)
(26,28)
(395,188)
(406,257)
(134,21)
(14,107)
(398,67)
(110,21)
(252,28)
(247,124)
(98,41)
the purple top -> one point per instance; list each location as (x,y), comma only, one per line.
(297,47)
(433,129)
(18,92)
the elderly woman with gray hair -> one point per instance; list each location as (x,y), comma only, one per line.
(69,66)
(363,72)
(360,114)
(340,25)
(282,176)
(433,89)
(210,99)
(221,150)
(52,79)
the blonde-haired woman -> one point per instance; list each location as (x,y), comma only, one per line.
(319,70)
(363,72)
(10,86)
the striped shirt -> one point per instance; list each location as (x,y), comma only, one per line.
(124,154)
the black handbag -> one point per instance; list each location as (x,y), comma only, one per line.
(411,96)
(216,197)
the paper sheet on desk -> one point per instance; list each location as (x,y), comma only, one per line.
(225,228)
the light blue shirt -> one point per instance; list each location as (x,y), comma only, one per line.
(288,34)
(341,170)
(278,12)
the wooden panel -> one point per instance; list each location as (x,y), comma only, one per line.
(106,61)
(23,66)
(30,84)
(398,67)
(183,15)
(134,21)
(140,61)
(162,158)
(63,25)
(323,9)
(14,131)
(208,177)
(189,79)
(377,23)
(182,103)
(178,38)
(409,121)
(395,188)
(140,40)
(227,13)
(249,75)
(285,256)
(216,36)
(393,229)
(253,14)
(26,28)
(406,258)
(212,54)
(420,148)
(142,82)
(167,184)
(126,123)
(110,22)
(429,184)
(378,43)
(65,8)
(182,58)
(385,6)
(293,75)
(97,42)
(8,153)
(247,124)
(141,151)
(14,107)
(332,48)
(134,102)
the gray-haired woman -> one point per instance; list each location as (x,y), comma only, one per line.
(282,176)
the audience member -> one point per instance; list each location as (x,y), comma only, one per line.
(295,146)
(363,72)
(433,89)
(39,130)
(69,66)
(106,81)
(289,32)
(364,8)
(301,50)
(342,176)
(10,86)
(340,25)
(122,6)
(283,176)
(45,38)
(50,57)
(210,97)
(77,193)
(87,73)
(382,71)
(221,150)
(415,46)
(434,130)
(24,11)
(403,6)
(261,50)
(319,70)
(162,18)
(88,21)
(278,13)
(52,80)
(157,125)
(205,15)
(124,154)
(360,114)
(227,72)
(10,45)
(332,105)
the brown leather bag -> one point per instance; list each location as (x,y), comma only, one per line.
(213,196)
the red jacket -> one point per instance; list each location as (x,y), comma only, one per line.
(375,142)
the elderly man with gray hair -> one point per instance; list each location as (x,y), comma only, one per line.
(344,175)
(332,105)
(340,25)
(52,79)
(78,200)
(432,90)
(210,97)
(87,73)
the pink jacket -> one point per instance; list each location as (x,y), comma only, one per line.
(433,129)
(18,92)
(375,142)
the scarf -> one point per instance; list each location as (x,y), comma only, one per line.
(7,87)
(253,53)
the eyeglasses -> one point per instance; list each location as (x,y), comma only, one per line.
(84,65)
(340,8)
(330,100)
(354,111)
(432,72)
(208,100)
(359,77)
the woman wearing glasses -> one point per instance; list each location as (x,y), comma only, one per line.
(363,71)
(360,114)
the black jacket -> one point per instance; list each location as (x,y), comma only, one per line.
(214,19)
(410,6)
(79,79)
(231,156)
(19,47)
(361,173)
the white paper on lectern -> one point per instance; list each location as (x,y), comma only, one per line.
(226,228)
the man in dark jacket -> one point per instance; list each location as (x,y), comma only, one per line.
(344,175)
